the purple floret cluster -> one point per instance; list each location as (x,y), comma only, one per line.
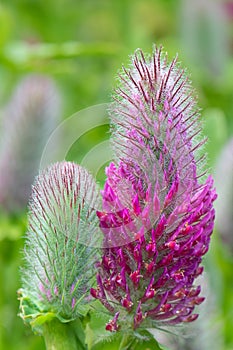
(157,207)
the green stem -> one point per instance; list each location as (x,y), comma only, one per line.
(59,336)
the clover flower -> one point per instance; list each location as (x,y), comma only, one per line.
(157,214)
(28,120)
(60,243)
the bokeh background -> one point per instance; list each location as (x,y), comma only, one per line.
(60,56)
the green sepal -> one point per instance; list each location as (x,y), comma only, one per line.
(140,340)
(97,338)
(95,323)
(144,340)
(32,314)
(111,343)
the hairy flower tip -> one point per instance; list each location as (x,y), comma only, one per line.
(155,109)
(28,120)
(157,216)
(60,244)
(224,184)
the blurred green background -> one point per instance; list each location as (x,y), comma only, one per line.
(82,45)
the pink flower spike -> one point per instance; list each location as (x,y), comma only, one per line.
(156,249)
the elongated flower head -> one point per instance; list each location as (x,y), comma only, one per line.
(63,230)
(28,120)
(157,214)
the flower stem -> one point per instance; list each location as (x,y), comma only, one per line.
(59,336)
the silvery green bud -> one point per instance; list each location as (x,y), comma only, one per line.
(61,241)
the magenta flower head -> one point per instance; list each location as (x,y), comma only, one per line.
(60,243)
(158,213)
